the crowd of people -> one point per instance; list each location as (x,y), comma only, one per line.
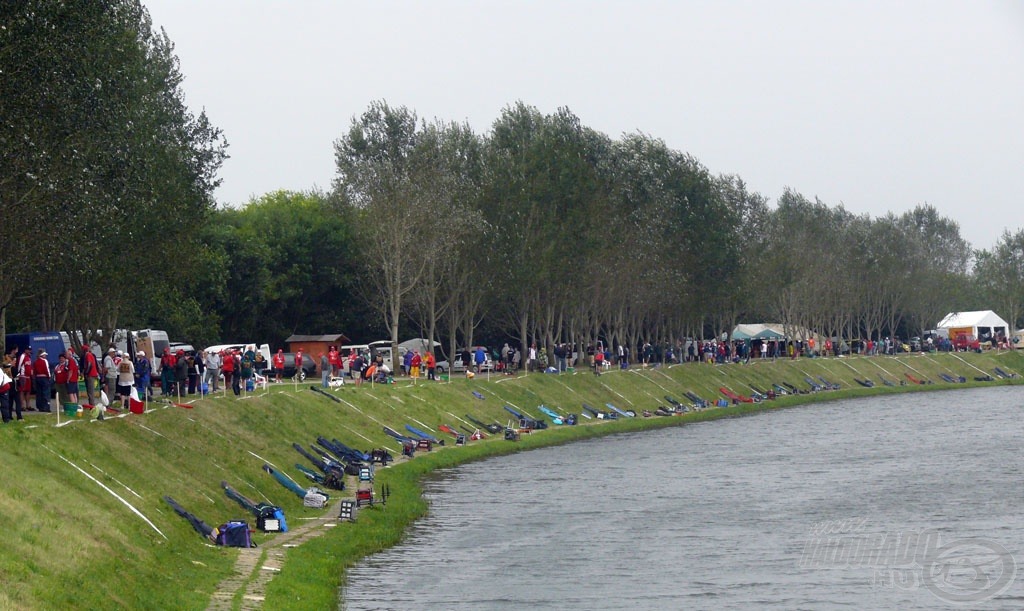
(106,381)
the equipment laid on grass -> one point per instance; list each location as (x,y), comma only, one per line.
(382,456)
(864,383)
(526,422)
(697,401)
(198,525)
(734,397)
(334,472)
(424,435)
(400,437)
(235,533)
(829,385)
(624,413)
(493,428)
(342,451)
(285,481)
(1004,374)
(599,414)
(321,391)
(555,416)
(269,518)
(793,389)
(814,385)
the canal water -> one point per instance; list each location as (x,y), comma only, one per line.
(912,501)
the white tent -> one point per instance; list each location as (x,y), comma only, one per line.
(981,325)
(418,343)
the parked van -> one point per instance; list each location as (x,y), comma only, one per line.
(382,348)
(348,353)
(54,342)
(153,343)
(262,349)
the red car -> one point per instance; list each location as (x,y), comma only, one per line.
(964,343)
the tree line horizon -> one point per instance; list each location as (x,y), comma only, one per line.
(539,230)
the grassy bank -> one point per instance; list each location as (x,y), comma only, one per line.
(71,542)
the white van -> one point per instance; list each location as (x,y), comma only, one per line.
(382,348)
(153,342)
(348,353)
(262,349)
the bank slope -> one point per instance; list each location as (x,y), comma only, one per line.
(70,541)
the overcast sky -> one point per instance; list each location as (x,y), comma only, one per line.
(878,106)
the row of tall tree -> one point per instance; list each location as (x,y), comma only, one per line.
(540,230)
(105,175)
(547,231)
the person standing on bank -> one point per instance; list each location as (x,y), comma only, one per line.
(74,373)
(180,373)
(143,371)
(11,392)
(24,369)
(431,364)
(60,379)
(91,371)
(125,379)
(325,371)
(212,376)
(278,362)
(110,373)
(6,383)
(43,376)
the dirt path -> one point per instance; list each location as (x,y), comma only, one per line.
(256,566)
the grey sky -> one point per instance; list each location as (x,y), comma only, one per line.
(878,106)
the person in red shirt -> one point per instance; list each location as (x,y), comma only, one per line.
(298,361)
(60,378)
(73,374)
(91,372)
(167,364)
(278,361)
(334,358)
(414,365)
(24,369)
(228,369)
(430,363)
(43,376)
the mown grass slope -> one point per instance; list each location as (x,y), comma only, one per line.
(69,542)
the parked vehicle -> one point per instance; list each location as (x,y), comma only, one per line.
(188,349)
(350,352)
(54,342)
(153,342)
(382,348)
(262,350)
(965,342)
(457,366)
(308,369)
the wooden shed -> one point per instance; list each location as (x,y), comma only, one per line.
(313,345)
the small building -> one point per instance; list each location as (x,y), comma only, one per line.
(313,345)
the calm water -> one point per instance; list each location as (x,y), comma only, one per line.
(785,510)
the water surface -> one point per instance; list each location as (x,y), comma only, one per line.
(761,512)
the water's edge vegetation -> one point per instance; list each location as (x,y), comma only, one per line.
(71,542)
